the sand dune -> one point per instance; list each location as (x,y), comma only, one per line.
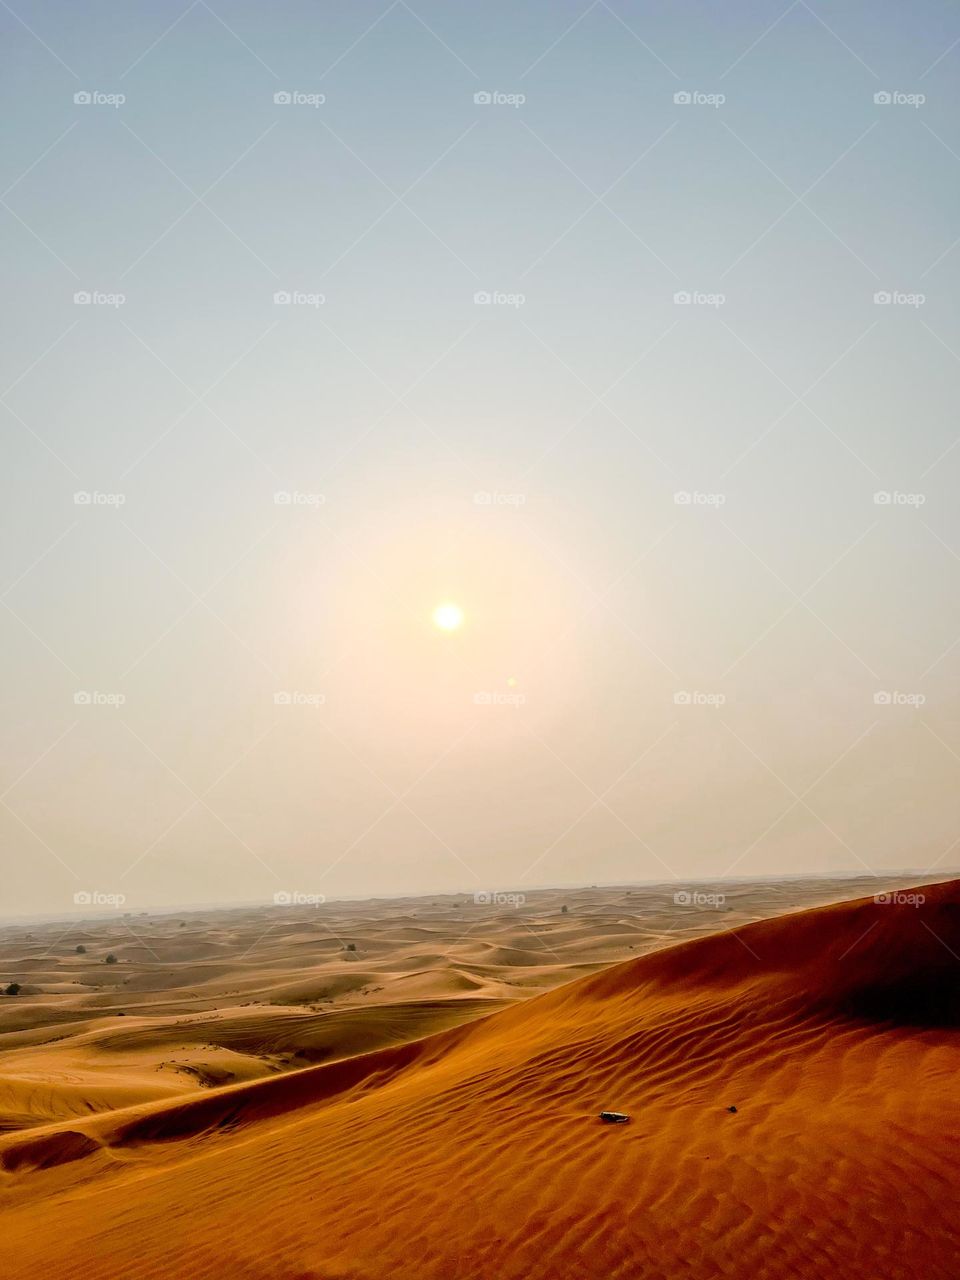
(178,979)
(790,1082)
(180,982)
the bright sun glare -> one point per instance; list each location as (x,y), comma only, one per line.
(448,616)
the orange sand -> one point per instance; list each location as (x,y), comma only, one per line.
(476,1152)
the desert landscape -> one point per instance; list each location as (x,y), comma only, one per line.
(412,1087)
(480,614)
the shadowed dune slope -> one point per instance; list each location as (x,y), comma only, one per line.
(477,1152)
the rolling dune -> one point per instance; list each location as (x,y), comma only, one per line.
(791,1085)
(210,998)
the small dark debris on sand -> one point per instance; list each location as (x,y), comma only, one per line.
(614,1117)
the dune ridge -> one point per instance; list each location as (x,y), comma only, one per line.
(789,1084)
(220,997)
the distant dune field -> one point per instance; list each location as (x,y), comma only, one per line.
(313,1093)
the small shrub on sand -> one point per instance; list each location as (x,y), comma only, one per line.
(111,959)
(12,990)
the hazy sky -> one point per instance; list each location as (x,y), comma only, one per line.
(211,694)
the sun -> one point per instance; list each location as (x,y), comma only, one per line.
(448,616)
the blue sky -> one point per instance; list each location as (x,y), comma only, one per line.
(150,630)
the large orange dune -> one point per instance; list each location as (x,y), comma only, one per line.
(792,1086)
